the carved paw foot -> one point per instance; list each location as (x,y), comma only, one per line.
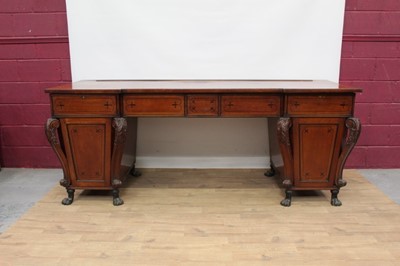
(135,173)
(286,202)
(117,201)
(336,202)
(70,198)
(270,172)
(67,201)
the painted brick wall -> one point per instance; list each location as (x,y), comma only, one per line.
(371,60)
(34,55)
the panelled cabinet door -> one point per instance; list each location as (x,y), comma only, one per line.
(88,148)
(316,150)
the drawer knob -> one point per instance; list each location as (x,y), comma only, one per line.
(83,97)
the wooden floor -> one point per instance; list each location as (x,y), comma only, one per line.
(215,217)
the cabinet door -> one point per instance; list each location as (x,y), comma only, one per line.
(88,148)
(316,149)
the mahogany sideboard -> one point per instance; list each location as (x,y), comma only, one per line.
(312,129)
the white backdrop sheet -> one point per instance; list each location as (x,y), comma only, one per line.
(204,39)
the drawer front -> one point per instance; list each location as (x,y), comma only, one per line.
(85,105)
(154,105)
(242,105)
(320,104)
(202,105)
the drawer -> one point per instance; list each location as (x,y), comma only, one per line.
(320,105)
(202,105)
(86,105)
(154,105)
(249,105)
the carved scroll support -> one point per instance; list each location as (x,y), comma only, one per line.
(120,126)
(285,146)
(52,134)
(353,126)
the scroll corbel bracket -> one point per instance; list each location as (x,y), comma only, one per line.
(353,126)
(52,133)
(120,126)
(283,133)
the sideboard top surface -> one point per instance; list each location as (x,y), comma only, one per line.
(201,86)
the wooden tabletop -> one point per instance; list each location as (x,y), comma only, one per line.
(200,86)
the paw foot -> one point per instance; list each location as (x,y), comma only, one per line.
(117,201)
(336,202)
(136,173)
(270,173)
(67,201)
(286,202)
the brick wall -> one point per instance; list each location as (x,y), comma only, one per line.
(34,55)
(371,60)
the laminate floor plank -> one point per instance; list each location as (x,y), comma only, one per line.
(207,217)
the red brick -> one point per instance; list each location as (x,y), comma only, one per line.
(17,51)
(357,69)
(363,112)
(371,22)
(62,25)
(9,70)
(11,115)
(66,70)
(40,24)
(39,70)
(36,114)
(389,5)
(20,6)
(27,114)
(7,25)
(385,135)
(24,136)
(347,50)
(383,157)
(34,51)
(14,6)
(396,93)
(29,157)
(53,51)
(375,49)
(24,92)
(376,91)
(357,158)
(49,5)
(385,114)
(387,69)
